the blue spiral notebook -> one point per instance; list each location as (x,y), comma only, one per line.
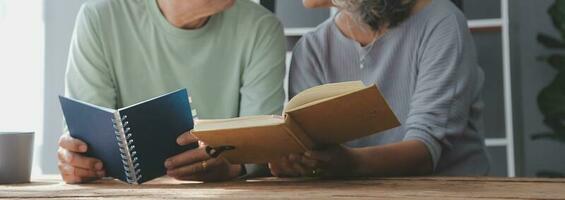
(132,142)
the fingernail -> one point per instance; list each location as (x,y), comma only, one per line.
(168,163)
(180,140)
(82,148)
(98,166)
(309,154)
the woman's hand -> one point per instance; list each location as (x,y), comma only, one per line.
(73,166)
(197,165)
(335,161)
(290,166)
(407,158)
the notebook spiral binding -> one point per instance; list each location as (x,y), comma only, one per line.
(126,145)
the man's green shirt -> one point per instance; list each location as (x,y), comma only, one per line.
(125,51)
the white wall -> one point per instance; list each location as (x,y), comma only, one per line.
(59,23)
(21,68)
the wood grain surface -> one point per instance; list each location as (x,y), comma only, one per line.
(273,188)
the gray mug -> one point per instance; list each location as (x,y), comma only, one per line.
(16,155)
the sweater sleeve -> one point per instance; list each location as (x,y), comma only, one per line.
(304,69)
(445,87)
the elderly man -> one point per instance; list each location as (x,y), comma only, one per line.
(229,54)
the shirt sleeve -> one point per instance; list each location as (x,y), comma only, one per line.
(262,89)
(446,86)
(88,75)
(304,70)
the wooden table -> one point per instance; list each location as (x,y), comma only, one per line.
(271,188)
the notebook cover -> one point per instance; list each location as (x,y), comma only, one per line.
(155,125)
(93,125)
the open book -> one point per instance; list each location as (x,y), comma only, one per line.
(319,116)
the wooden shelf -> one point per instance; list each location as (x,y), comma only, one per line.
(297,31)
(498,142)
(485,25)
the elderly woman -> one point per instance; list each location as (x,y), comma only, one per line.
(421,55)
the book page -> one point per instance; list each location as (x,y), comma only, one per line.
(245,118)
(323,92)
(241,122)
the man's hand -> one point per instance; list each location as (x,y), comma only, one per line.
(335,161)
(74,167)
(192,14)
(196,164)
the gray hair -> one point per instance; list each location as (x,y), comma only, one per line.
(378,14)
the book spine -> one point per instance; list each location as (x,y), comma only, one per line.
(127,148)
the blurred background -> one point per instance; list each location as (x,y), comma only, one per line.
(517,41)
